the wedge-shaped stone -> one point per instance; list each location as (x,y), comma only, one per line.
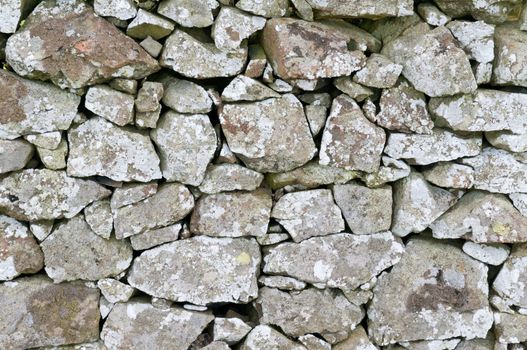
(450,175)
(32,107)
(266,8)
(230,330)
(199,270)
(67,43)
(41,194)
(184,96)
(189,13)
(139,325)
(341,260)
(510,67)
(232,26)
(299,49)
(269,136)
(131,193)
(482,217)
(175,200)
(230,177)
(14,154)
(362,8)
(510,281)
(391,170)
(433,62)
(36,312)
(98,216)
(147,24)
(120,9)
(441,145)
(243,88)
(476,38)
(492,254)
(263,337)
(442,294)
(152,238)
(115,291)
(99,147)
(110,104)
(379,72)
(233,214)
(350,141)
(490,11)
(507,140)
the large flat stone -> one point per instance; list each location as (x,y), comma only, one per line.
(362,8)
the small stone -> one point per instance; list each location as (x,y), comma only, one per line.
(482,217)
(354,90)
(48,140)
(350,141)
(146,24)
(358,339)
(432,15)
(476,38)
(482,72)
(138,324)
(303,9)
(41,229)
(450,175)
(509,66)
(186,145)
(42,194)
(507,140)
(120,9)
(152,238)
(151,46)
(266,8)
(281,86)
(316,117)
(379,72)
(229,177)
(149,96)
(391,170)
(511,279)
(269,136)
(520,202)
(217,345)
(417,204)
(37,312)
(175,199)
(311,342)
(272,238)
(188,13)
(115,291)
(311,175)
(359,39)
(230,330)
(232,26)
(361,8)
(184,96)
(226,156)
(447,344)
(84,255)
(282,282)
(128,86)
(208,270)
(54,159)
(104,309)
(110,104)
(14,154)
(98,216)
(489,11)
(492,254)
(12,11)
(243,88)
(131,193)
(478,344)
(98,147)
(263,337)
(192,58)
(510,328)
(257,62)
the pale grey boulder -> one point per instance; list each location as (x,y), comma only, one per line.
(131,193)
(120,9)
(230,330)
(378,72)
(492,254)
(110,104)
(14,154)
(12,12)
(184,96)
(114,290)
(510,67)
(476,38)
(98,216)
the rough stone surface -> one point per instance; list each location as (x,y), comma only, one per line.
(510,67)
(510,281)
(14,154)
(450,175)
(229,177)
(120,9)
(510,328)
(362,8)
(184,96)
(492,254)
(476,38)
(132,193)
(188,13)
(115,291)
(232,26)
(243,88)
(110,104)
(146,24)
(230,330)
(263,337)
(282,282)
(379,72)
(98,216)
(266,8)
(507,140)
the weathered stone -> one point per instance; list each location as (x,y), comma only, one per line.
(272,238)
(151,46)
(184,96)
(441,145)
(391,170)
(229,177)
(341,260)
(477,344)
(307,50)
(12,11)
(90,51)
(484,218)
(84,254)
(432,15)
(356,91)
(152,238)
(175,199)
(312,342)
(476,38)
(98,216)
(417,204)
(362,8)
(490,11)
(147,24)
(207,270)
(186,145)
(110,104)
(443,294)
(358,339)
(281,282)
(450,175)
(507,140)
(128,86)
(482,72)
(120,9)
(446,344)
(432,62)
(520,202)
(14,154)
(147,104)
(299,313)
(263,337)
(54,159)
(188,13)
(303,9)
(139,325)
(217,345)
(47,140)
(492,254)
(195,59)
(131,193)
(37,312)
(233,214)
(269,136)
(350,141)
(243,88)
(379,72)
(485,110)
(510,281)
(404,109)
(232,26)
(266,8)
(509,66)
(366,210)
(98,147)
(230,330)
(257,62)
(306,214)
(41,229)
(41,194)
(510,328)
(316,117)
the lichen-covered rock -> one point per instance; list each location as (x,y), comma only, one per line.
(54,159)
(507,140)
(299,49)
(152,238)
(450,175)
(207,270)
(110,104)
(14,154)
(41,194)
(188,13)
(232,26)
(510,67)
(73,251)
(243,88)
(511,279)
(37,312)
(229,177)
(99,147)
(67,43)
(510,328)
(492,254)
(266,8)
(120,9)
(31,107)
(186,145)
(263,337)
(139,325)
(115,291)
(269,136)
(310,213)
(184,96)
(281,282)
(147,24)
(147,104)
(432,15)
(47,140)
(98,216)
(12,11)
(379,72)
(433,62)
(491,11)
(230,330)
(131,193)
(476,38)
(341,260)
(233,214)
(350,141)
(391,170)
(442,292)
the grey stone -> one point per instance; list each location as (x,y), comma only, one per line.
(266,8)
(188,13)
(48,140)
(115,291)
(450,175)
(12,12)
(432,15)
(490,11)
(476,38)
(520,202)
(379,72)
(14,154)
(510,328)
(391,170)
(98,216)
(232,26)
(147,104)
(358,339)
(147,24)
(354,90)
(316,117)
(229,177)
(230,330)
(131,193)
(257,61)
(128,86)
(303,9)
(217,345)
(151,46)
(362,8)
(263,337)
(120,9)
(272,238)
(509,66)
(511,279)
(507,140)
(282,282)
(155,237)
(54,159)
(492,254)
(243,88)
(110,104)
(184,96)
(41,229)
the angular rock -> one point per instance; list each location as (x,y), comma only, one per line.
(195,59)
(310,213)
(229,177)
(263,337)
(120,9)
(12,11)
(115,291)
(509,66)
(510,328)
(188,13)
(299,49)
(230,330)
(146,24)
(98,216)
(441,145)
(78,56)
(139,325)
(341,260)
(511,279)
(41,229)
(483,218)
(490,11)
(350,141)
(358,339)
(131,193)
(14,154)
(417,204)
(243,88)
(47,140)
(432,62)
(186,145)
(232,26)
(379,72)
(84,254)
(520,202)
(152,238)
(37,312)
(432,15)
(362,8)
(110,104)
(151,46)
(147,104)
(31,107)
(492,254)
(391,170)
(175,199)
(356,91)
(184,96)
(255,132)
(54,159)
(217,345)
(98,147)
(266,8)
(366,210)
(272,238)
(507,140)
(128,86)
(443,294)
(41,194)
(207,270)
(450,175)
(281,282)
(476,38)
